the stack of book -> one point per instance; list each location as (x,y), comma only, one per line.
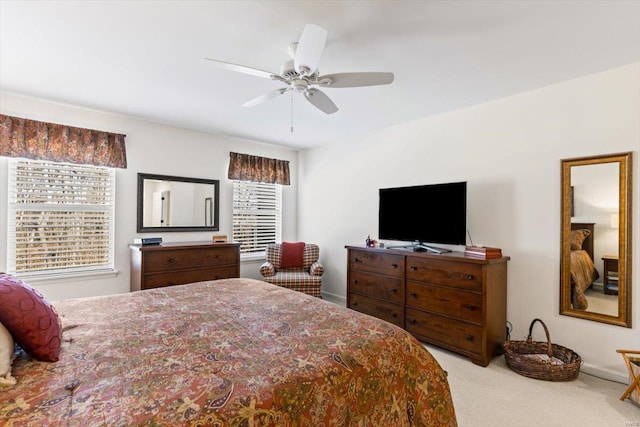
(611,284)
(482,252)
(147,241)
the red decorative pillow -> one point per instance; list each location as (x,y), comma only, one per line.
(292,255)
(30,318)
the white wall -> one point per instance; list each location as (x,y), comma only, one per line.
(509,152)
(151,148)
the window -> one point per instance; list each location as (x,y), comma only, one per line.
(60,218)
(257,215)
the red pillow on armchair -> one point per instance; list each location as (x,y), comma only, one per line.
(292,255)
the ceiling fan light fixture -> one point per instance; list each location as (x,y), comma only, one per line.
(300,85)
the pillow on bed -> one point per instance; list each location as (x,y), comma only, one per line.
(30,318)
(292,255)
(577,238)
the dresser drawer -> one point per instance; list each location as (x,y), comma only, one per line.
(392,313)
(159,280)
(451,302)
(377,262)
(441,330)
(184,259)
(376,285)
(450,273)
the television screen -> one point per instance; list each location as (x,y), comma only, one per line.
(434,213)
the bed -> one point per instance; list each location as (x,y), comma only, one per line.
(583,270)
(232,352)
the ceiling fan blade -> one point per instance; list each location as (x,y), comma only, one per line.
(355,79)
(241,68)
(265,97)
(310,48)
(321,101)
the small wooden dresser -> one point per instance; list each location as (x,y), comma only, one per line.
(168,264)
(449,300)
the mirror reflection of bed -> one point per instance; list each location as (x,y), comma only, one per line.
(597,190)
(587,289)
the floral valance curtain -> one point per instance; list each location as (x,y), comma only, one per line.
(59,143)
(245,167)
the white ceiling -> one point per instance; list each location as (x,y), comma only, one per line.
(145,58)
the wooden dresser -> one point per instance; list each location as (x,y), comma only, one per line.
(449,300)
(168,264)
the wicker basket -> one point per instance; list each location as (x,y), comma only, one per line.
(542,360)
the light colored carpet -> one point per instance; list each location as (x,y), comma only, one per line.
(601,303)
(496,396)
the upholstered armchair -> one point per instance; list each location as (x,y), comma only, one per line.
(294,266)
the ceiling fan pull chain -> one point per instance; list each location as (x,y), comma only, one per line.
(291,111)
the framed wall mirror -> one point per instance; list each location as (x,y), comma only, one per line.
(595,266)
(175,203)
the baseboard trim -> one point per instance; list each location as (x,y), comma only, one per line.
(336,299)
(606,374)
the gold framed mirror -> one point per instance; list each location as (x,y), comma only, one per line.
(595,265)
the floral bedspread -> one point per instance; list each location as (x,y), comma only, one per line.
(234,352)
(583,274)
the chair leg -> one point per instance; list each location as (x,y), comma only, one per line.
(635,380)
(634,384)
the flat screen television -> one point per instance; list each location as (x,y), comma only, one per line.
(422,214)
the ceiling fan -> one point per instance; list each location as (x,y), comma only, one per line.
(301,75)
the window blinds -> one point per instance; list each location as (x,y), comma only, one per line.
(61,218)
(257,215)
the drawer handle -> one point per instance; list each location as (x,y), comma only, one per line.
(413,268)
(413,294)
(469,337)
(171,260)
(469,307)
(469,276)
(355,281)
(356,260)
(394,265)
(395,291)
(413,321)
(354,304)
(394,315)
